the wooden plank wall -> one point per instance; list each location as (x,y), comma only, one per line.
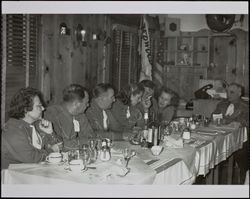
(66,60)
(230,54)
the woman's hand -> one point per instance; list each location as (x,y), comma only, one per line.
(46,126)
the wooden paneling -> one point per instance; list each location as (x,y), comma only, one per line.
(230,55)
(183,80)
(67,60)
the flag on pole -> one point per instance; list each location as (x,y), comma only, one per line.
(158,72)
(158,67)
(145,51)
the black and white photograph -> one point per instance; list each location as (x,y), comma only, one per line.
(125,99)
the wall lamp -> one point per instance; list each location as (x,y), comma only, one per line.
(81,35)
(64,30)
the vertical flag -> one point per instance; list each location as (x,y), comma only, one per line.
(158,68)
(145,51)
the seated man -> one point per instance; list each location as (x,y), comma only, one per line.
(100,117)
(233,108)
(124,108)
(68,118)
(22,140)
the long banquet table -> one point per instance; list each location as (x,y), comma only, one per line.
(207,147)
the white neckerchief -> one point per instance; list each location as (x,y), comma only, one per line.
(128,113)
(105,120)
(76,125)
(230,110)
(36,138)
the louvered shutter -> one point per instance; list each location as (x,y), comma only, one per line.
(124,57)
(33,50)
(21,32)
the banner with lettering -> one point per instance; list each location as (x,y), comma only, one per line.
(146,54)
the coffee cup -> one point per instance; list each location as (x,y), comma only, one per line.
(76,165)
(54,157)
(186,135)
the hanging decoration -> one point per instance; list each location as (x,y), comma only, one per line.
(64,30)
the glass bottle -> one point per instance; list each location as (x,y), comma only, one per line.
(145,131)
(92,151)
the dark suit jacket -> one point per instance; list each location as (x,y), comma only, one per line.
(17,144)
(241,112)
(119,110)
(63,126)
(95,115)
(165,114)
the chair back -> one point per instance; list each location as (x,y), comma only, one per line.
(205,107)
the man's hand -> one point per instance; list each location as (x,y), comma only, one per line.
(146,102)
(46,126)
(55,147)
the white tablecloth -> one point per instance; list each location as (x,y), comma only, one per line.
(218,147)
(174,166)
(46,173)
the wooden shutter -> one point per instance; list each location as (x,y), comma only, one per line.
(33,50)
(125,66)
(20,54)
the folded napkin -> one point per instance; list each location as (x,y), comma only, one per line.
(116,170)
(197,143)
(207,133)
(231,126)
(217,116)
(210,130)
(198,136)
(173,141)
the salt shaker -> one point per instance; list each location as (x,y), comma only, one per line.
(105,154)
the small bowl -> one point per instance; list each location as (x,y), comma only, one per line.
(156,150)
(54,157)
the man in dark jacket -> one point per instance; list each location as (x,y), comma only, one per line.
(25,133)
(234,108)
(100,117)
(69,120)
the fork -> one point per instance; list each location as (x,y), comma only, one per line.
(125,173)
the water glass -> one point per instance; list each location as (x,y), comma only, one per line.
(93,150)
(85,154)
(72,155)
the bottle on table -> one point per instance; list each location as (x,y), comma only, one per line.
(145,131)
(93,151)
(153,132)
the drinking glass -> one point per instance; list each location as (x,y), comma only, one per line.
(126,155)
(85,154)
(92,150)
(72,155)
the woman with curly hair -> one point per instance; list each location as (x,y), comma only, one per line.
(167,102)
(26,137)
(124,108)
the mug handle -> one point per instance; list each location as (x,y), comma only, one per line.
(47,158)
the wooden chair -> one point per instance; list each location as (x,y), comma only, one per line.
(205,107)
